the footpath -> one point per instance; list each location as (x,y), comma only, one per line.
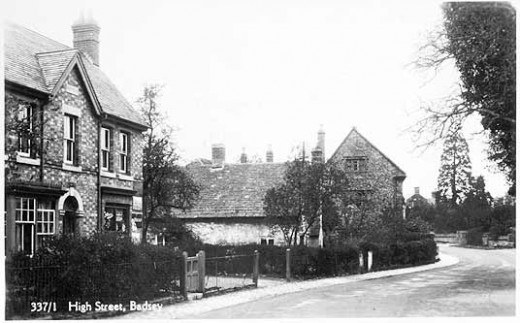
(270,288)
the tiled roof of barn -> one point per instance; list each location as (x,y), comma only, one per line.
(38,62)
(234,190)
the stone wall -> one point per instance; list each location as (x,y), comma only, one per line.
(378,176)
(234,231)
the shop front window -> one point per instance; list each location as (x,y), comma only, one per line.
(116,219)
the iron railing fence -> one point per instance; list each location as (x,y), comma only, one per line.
(66,284)
(229,272)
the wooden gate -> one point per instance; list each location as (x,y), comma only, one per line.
(195,273)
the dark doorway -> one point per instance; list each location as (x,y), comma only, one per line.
(69,220)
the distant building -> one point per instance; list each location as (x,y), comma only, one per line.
(416,200)
(73,144)
(230,209)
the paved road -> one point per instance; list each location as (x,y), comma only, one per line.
(481,284)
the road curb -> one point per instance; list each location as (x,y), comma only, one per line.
(196,307)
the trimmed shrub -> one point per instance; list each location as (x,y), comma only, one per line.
(105,267)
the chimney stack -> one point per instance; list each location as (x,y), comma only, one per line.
(318,153)
(218,154)
(416,189)
(243,157)
(86,37)
(321,141)
(269,155)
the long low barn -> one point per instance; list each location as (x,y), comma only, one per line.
(230,209)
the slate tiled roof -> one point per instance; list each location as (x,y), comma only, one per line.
(53,64)
(21,65)
(236,190)
(37,62)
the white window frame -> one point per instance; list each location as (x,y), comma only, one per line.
(42,221)
(69,137)
(105,147)
(24,116)
(123,152)
(22,221)
(47,221)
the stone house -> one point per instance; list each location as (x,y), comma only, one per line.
(230,206)
(230,209)
(74,144)
(372,175)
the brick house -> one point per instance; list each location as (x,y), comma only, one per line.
(230,209)
(74,159)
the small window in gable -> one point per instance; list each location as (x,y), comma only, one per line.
(356,164)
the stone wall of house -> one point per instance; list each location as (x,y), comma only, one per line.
(379,177)
(234,231)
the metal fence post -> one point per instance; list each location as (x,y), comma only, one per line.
(288,264)
(201,269)
(184,274)
(255,268)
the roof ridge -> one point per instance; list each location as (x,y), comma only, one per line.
(371,144)
(57,51)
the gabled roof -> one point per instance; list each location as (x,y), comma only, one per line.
(234,190)
(38,62)
(54,64)
(355,132)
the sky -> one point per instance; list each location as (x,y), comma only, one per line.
(249,74)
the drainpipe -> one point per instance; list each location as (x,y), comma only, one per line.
(40,107)
(100,206)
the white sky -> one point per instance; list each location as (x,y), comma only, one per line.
(253,73)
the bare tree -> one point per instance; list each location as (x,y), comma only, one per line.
(480,39)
